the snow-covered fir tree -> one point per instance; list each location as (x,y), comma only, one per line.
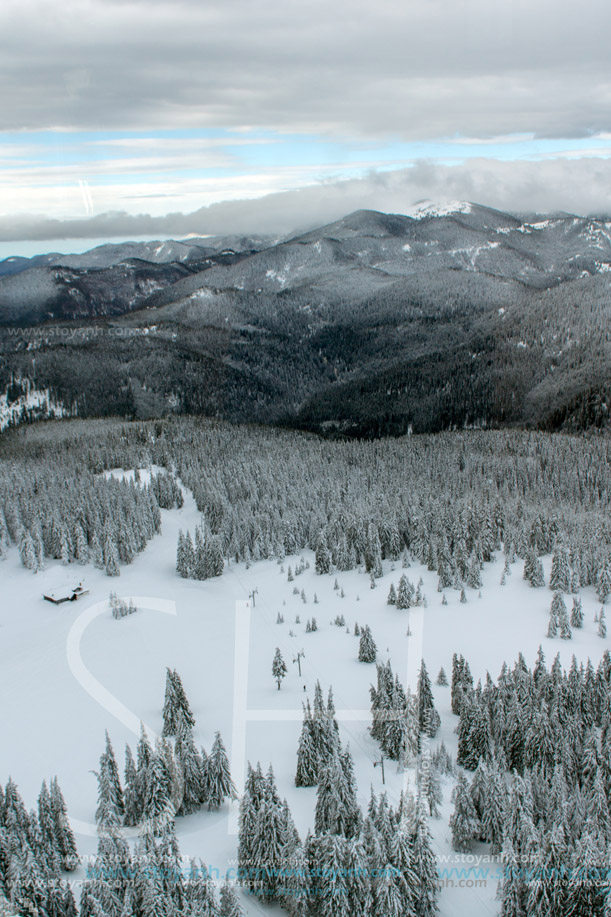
(442,678)
(337,811)
(110,810)
(533,570)
(464,822)
(278,667)
(367,647)
(229,904)
(428,718)
(190,765)
(219,785)
(602,624)
(175,704)
(462,682)
(307,753)
(560,575)
(576,613)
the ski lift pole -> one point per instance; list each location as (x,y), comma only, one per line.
(251,595)
(298,658)
(381,763)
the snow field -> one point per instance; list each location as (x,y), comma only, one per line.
(52,726)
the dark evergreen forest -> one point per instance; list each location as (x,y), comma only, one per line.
(449,500)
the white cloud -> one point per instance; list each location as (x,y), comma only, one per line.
(353,72)
(417,69)
(578,186)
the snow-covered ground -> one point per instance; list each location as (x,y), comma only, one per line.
(430,209)
(36,402)
(54,721)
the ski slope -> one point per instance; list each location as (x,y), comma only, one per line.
(69,672)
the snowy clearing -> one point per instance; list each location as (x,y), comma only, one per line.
(54,722)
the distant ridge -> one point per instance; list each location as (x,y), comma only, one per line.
(450,315)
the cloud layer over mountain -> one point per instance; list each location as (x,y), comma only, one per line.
(374,88)
(578,186)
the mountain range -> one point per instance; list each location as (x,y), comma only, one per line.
(450,316)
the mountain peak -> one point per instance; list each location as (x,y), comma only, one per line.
(428,208)
(360,222)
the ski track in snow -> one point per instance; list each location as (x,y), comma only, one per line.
(89,682)
(102,695)
(226,668)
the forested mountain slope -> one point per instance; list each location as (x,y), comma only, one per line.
(374,324)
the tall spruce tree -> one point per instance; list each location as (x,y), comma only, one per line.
(323,555)
(464,822)
(111,808)
(307,753)
(576,613)
(175,705)
(533,570)
(190,763)
(560,575)
(157,805)
(428,718)
(131,795)
(367,647)
(63,831)
(220,786)
(424,864)
(403,599)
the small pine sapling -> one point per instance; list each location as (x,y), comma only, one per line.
(278,667)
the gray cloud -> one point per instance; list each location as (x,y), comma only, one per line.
(579,186)
(417,69)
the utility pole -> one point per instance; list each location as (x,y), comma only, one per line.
(300,656)
(251,595)
(381,763)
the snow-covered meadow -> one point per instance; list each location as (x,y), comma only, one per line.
(53,656)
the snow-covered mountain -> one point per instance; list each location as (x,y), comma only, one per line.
(452,314)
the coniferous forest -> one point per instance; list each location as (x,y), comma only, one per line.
(450,500)
(305,459)
(530,776)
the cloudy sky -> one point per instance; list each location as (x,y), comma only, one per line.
(128,118)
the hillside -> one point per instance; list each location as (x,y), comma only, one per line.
(377,323)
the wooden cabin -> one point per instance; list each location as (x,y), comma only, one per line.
(66,596)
